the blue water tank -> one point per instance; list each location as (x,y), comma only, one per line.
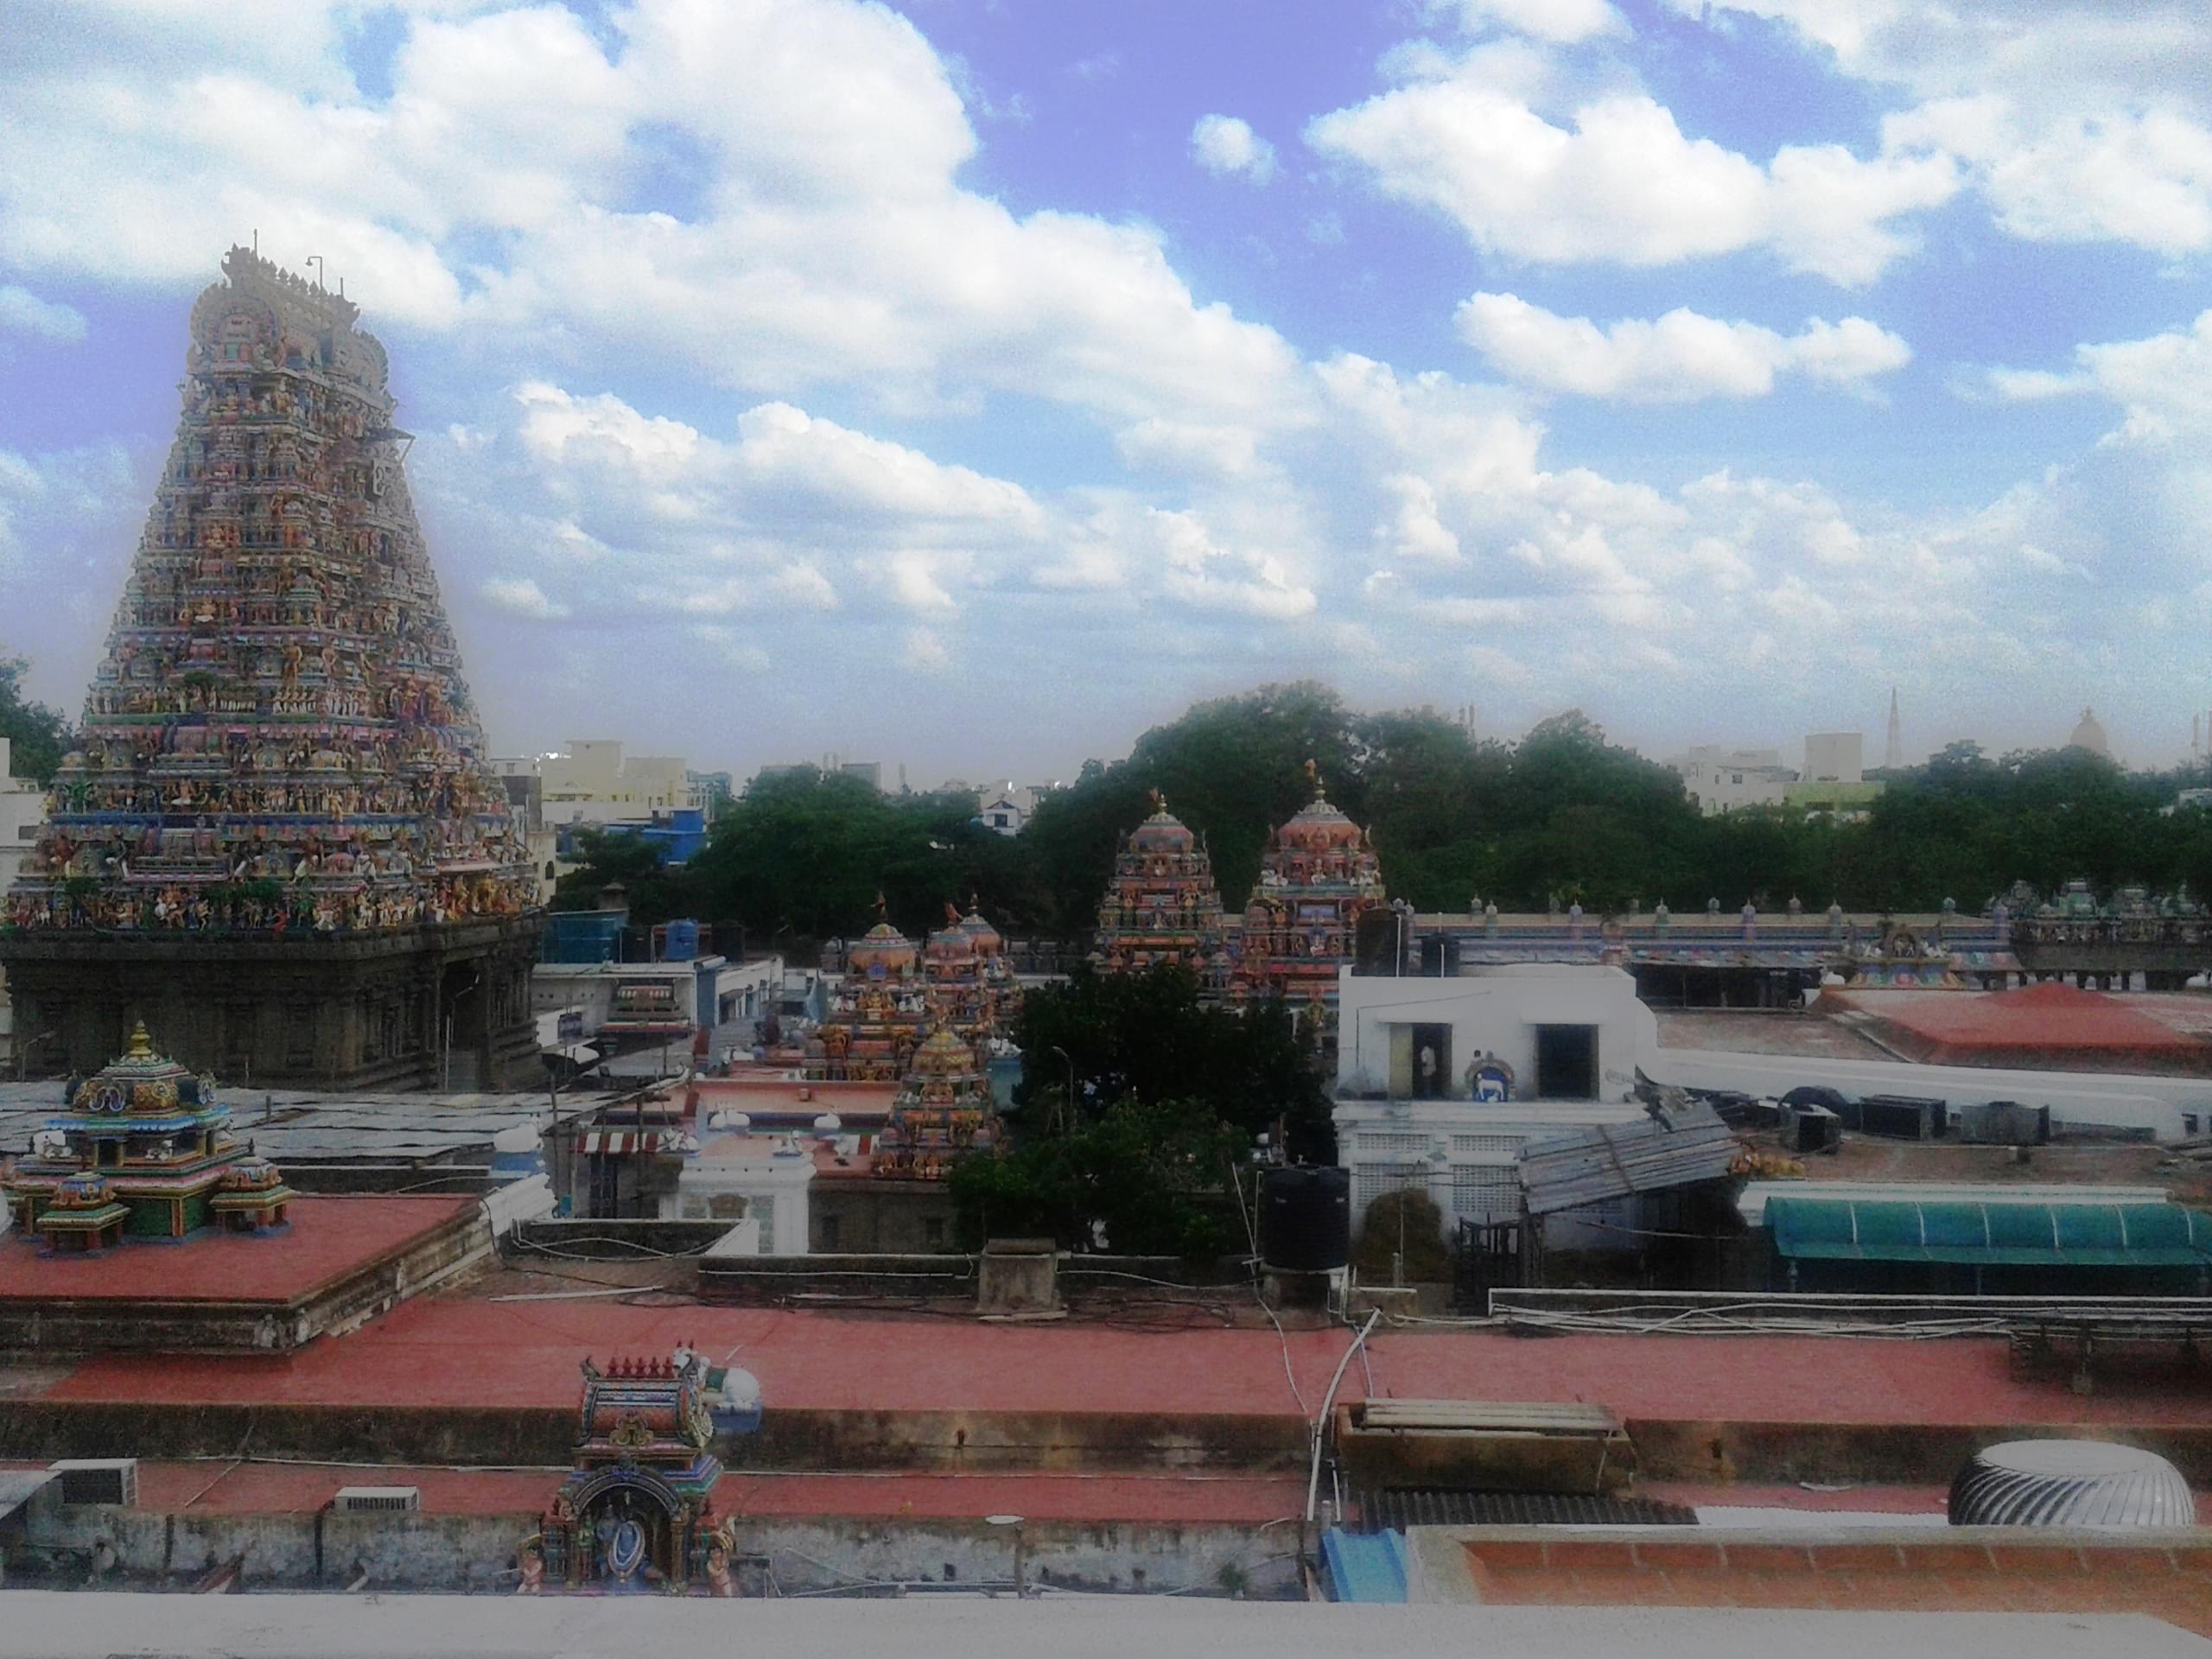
(681,942)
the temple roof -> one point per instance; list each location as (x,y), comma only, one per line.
(143,1083)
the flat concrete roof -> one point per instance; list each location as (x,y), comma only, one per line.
(94,1624)
(327,1238)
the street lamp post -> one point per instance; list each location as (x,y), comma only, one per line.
(1069,1107)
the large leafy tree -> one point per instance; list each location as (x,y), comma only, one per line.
(1137,1178)
(1147,1037)
(39,736)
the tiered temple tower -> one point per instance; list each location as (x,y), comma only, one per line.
(146,1152)
(278,841)
(969,984)
(945,1111)
(1319,875)
(1162,905)
(876,1015)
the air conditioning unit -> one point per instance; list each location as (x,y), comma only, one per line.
(367,1500)
(97,1480)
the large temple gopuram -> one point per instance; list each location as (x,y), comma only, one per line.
(1162,905)
(277,841)
(1319,875)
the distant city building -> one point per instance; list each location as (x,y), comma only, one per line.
(1835,758)
(1893,744)
(709,791)
(1722,780)
(2089,733)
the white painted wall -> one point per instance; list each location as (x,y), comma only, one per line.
(770,1183)
(1495,1009)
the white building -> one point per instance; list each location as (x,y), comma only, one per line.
(594,782)
(740,1176)
(1835,758)
(1722,780)
(1559,1042)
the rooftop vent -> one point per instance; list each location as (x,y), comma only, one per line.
(97,1480)
(2069,1483)
(364,1500)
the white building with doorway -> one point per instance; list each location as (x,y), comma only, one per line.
(738,1176)
(1725,780)
(1441,1082)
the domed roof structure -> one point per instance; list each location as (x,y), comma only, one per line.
(2089,733)
(1319,824)
(883,950)
(1163,832)
(142,1080)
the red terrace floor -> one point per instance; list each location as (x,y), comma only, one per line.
(329,1238)
(526,1354)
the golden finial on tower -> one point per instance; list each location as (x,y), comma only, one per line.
(142,1043)
(1313,776)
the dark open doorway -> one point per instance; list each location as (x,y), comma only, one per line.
(1566,1062)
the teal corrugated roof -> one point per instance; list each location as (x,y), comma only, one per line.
(2081,1233)
(1365,1567)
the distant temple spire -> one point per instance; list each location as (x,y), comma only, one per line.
(1893,750)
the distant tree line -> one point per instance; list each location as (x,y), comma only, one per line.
(1562,816)
(39,734)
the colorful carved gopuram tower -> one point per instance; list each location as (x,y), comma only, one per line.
(945,1111)
(876,1015)
(1162,905)
(1319,875)
(968,982)
(278,841)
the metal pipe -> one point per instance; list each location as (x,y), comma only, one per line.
(1313,1478)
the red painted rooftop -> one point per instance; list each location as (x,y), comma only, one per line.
(524,1354)
(328,1238)
(2047,1015)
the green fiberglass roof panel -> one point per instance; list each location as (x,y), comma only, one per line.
(2079,1234)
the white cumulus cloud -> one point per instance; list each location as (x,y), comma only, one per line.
(2164,383)
(22,311)
(523,597)
(1226,147)
(1678,358)
(1616,180)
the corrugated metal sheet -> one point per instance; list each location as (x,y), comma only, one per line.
(1690,1145)
(1436,1506)
(2079,1234)
(1369,1568)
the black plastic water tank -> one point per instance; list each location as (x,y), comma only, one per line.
(1305,1219)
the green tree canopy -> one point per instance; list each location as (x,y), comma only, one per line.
(39,734)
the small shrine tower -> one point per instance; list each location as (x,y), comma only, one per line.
(945,1111)
(146,1154)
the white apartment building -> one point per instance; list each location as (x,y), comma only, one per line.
(592,781)
(1723,780)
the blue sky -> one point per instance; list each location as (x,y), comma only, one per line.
(970,386)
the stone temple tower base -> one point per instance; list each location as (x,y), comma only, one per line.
(441,1007)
